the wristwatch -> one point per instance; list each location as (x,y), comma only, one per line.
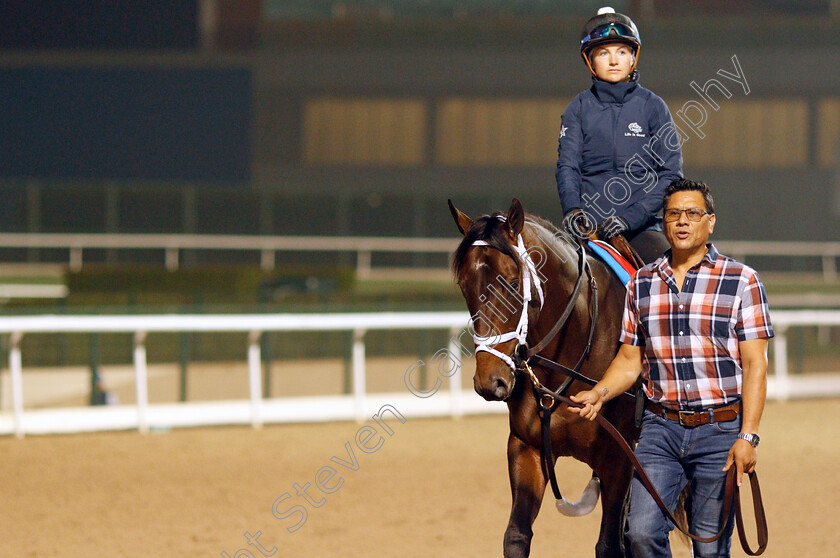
(753,439)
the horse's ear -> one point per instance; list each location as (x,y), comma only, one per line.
(464,223)
(515,218)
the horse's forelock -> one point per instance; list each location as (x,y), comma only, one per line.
(487,228)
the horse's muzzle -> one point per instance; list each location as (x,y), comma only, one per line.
(496,386)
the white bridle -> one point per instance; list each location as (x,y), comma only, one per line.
(529,274)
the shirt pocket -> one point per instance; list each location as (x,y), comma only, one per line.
(712,334)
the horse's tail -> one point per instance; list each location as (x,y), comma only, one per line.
(587,500)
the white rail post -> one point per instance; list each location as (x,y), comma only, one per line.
(363,264)
(171,258)
(16,372)
(76,258)
(781,363)
(455,391)
(254,377)
(829,268)
(141,379)
(359,374)
(267,259)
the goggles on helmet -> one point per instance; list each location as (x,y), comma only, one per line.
(619,30)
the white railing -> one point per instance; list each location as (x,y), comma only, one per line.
(267,246)
(784,386)
(364,247)
(257,410)
(828,252)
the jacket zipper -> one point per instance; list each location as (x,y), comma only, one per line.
(615,114)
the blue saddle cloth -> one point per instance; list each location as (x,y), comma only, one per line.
(611,260)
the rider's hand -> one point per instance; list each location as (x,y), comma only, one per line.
(744,456)
(591,401)
(578,224)
(612,226)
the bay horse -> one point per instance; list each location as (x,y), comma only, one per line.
(495,268)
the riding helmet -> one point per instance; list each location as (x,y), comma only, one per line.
(609,27)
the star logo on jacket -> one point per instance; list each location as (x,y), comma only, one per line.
(636,131)
(563,131)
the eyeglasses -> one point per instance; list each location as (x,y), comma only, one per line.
(618,29)
(693,214)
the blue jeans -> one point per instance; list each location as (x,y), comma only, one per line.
(673,456)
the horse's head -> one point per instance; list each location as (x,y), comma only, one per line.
(496,283)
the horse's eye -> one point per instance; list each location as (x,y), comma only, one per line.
(515,284)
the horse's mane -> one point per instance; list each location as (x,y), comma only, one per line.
(489,229)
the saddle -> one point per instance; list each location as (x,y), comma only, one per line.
(618,255)
(623,247)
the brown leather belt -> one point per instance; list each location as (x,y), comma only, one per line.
(697,418)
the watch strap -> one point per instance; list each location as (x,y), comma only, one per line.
(753,439)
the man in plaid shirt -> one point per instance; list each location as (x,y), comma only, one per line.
(695,327)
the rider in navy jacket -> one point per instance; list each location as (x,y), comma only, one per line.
(618,146)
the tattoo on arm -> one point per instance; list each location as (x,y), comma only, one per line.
(604,391)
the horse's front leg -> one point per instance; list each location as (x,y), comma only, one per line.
(527,486)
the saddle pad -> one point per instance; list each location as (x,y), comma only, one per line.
(620,266)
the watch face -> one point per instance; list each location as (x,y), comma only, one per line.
(751,438)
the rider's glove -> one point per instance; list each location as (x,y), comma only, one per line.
(612,226)
(578,223)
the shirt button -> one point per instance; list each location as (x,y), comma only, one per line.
(683,359)
(681,333)
(682,306)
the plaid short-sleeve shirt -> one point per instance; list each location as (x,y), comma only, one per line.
(690,337)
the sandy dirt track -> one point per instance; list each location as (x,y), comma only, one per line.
(436,487)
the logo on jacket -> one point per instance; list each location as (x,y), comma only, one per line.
(635,130)
(563,131)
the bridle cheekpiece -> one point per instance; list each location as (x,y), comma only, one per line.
(520,334)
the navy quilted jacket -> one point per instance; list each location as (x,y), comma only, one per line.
(618,151)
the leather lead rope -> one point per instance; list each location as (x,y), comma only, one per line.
(538,360)
(732,493)
(760,518)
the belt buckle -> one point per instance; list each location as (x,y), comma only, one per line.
(684,415)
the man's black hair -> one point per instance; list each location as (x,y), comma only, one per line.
(685,185)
